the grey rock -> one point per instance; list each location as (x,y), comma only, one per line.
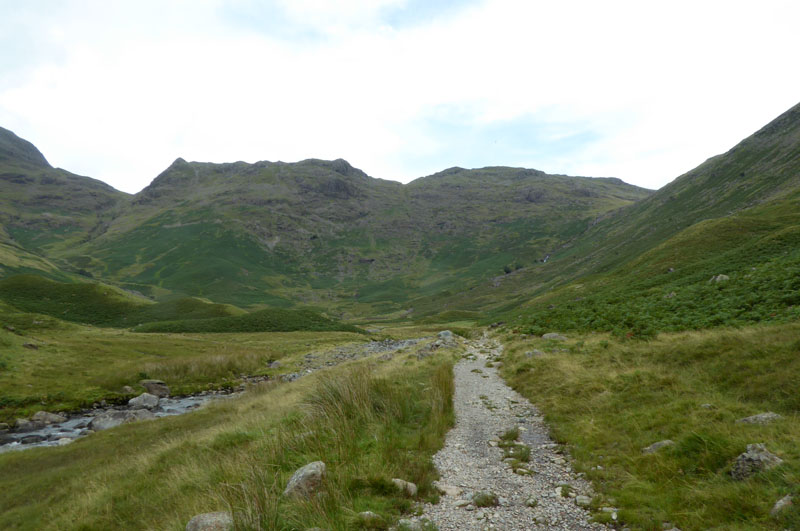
(583,501)
(64,441)
(220,521)
(653,448)
(46,417)
(781,505)
(111,419)
(144,401)
(273,365)
(27,425)
(761,418)
(405,486)
(554,337)
(3,426)
(128,390)
(446,336)
(756,459)
(306,480)
(719,278)
(31,439)
(290,377)
(155,387)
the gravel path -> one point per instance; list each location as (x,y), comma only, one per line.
(472,459)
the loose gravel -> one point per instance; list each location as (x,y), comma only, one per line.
(472,459)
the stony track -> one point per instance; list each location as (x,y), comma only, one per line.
(472,459)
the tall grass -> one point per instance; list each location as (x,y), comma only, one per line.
(368,425)
(368,429)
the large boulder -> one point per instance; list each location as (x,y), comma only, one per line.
(144,401)
(48,418)
(756,459)
(306,480)
(155,387)
(220,521)
(111,419)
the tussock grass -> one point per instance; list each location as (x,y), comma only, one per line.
(367,424)
(368,430)
(608,400)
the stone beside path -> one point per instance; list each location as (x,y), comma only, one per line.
(472,460)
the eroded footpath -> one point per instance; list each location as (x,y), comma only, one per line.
(486,480)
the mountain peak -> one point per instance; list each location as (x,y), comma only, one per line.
(15,149)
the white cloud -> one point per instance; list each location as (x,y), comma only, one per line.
(118,90)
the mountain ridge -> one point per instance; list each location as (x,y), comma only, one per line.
(326,234)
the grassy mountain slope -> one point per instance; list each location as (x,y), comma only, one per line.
(762,168)
(730,213)
(324,233)
(44,210)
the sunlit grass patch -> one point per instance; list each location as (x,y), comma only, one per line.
(608,400)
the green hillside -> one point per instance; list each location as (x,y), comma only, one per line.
(679,311)
(46,210)
(324,233)
(701,224)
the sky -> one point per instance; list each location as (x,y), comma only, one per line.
(643,91)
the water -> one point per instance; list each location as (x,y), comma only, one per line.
(77,425)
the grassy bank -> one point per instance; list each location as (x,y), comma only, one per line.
(368,423)
(48,364)
(607,400)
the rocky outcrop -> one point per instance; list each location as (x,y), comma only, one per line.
(306,480)
(756,459)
